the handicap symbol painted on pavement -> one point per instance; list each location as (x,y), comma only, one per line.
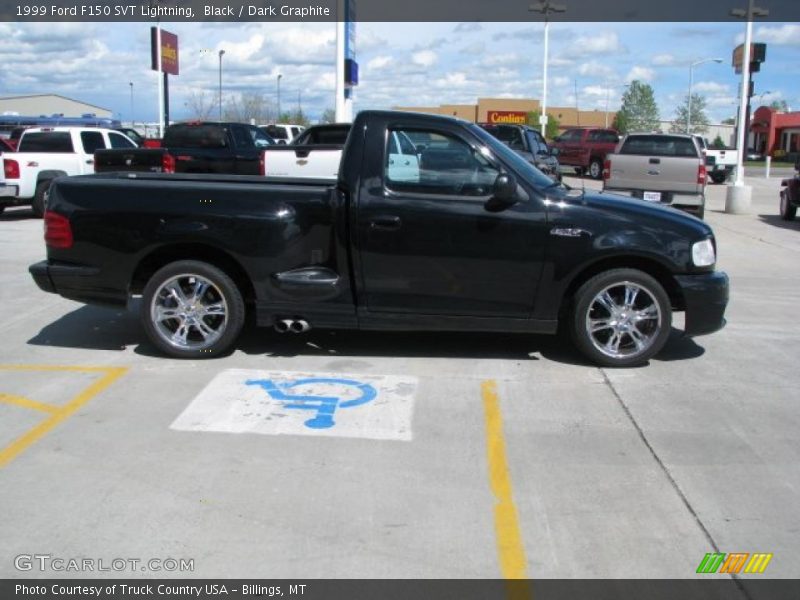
(324,405)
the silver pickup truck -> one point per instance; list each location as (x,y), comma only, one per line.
(658,167)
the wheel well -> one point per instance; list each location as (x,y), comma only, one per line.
(48,176)
(169,254)
(649,266)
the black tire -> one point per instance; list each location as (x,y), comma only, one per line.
(718,176)
(788,211)
(596,169)
(205,332)
(40,198)
(649,315)
(579,171)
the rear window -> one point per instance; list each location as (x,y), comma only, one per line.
(196,136)
(46,141)
(659,145)
(279,133)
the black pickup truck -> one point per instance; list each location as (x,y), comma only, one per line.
(477,239)
(193,147)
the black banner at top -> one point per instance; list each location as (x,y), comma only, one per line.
(392,10)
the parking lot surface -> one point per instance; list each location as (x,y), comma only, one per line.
(478,455)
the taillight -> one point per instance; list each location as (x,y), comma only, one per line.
(57,230)
(606,169)
(10,168)
(262,164)
(167,163)
(701,174)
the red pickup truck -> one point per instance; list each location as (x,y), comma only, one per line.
(585,148)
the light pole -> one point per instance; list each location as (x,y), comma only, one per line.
(278,118)
(546,7)
(691,81)
(221,53)
(130,83)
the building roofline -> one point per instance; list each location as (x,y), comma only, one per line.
(54,95)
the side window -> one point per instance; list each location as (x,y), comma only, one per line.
(406,145)
(259,138)
(241,137)
(574,135)
(118,141)
(57,141)
(538,145)
(393,149)
(594,136)
(446,166)
(279,133)
(91,141)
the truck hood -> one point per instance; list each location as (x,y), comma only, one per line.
(637,210)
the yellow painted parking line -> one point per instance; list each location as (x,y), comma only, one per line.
(24,402)
(60,413)
(510,549)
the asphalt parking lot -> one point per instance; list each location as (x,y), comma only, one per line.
(499,455)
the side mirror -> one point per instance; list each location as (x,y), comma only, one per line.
(420,148)
(504,192)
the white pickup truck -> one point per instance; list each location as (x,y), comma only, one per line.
(45,153)
(317,152)
(720,162)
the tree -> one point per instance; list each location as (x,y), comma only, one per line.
(698,118)
(718,143)
(780,105)
(248,106)
(551,130)
(201,105)
(729,121)
(329,116)
(639,110)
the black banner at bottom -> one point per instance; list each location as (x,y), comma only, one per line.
(416,589)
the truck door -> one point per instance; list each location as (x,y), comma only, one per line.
(90,141)
(428,243)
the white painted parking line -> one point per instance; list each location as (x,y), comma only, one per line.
(299,403)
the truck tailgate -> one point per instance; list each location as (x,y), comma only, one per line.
(308,162)
(129,159)
(654,173)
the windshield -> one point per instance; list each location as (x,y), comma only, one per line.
(525,169)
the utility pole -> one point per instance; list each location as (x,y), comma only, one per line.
(545,7)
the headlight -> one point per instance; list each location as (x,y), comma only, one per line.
(703,254)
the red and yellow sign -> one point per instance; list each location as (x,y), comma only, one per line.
(169,51)
(507,117)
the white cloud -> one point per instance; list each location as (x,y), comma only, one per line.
(560,81)
(787,34)
(379,62)
(663,60)
(424,58)
(710,87)
(640,73)
(590,45)
(596,69)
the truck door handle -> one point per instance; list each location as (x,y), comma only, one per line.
(90,162)
(655,161)
(385,222)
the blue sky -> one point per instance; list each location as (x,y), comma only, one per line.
(401,63)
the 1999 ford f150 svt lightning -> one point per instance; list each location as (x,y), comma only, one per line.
(474,239)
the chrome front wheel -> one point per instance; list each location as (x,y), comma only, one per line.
(621,317)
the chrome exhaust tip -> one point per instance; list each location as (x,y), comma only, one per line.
(300,326)
(283,325)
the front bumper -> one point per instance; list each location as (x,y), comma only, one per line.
(705,296)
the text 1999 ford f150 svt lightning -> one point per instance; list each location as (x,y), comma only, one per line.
(474,239)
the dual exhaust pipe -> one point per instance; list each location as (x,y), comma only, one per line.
(292,325)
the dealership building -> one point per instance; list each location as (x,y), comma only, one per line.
(49,104)
(515,110)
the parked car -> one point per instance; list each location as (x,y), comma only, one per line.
(790,195)
(45,153)
(481,240)
(528,143)
(664,168)
(194,147)
(317,152)
(283,133)
(585,149)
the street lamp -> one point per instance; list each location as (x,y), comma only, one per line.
(221,53)
(278,118)
(130,83)
(546,7)
(689,101)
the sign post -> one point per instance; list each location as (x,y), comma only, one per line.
(164,60)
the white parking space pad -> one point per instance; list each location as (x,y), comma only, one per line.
(371,406)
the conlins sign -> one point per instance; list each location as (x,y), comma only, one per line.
(169,51)
(507,117)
